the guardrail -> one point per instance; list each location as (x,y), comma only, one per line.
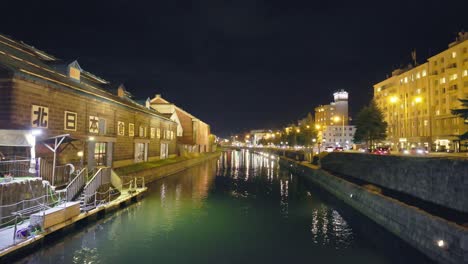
(15,167)
(75,186)
(102,176)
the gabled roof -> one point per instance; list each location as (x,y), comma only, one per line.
(161,101)
(25,62)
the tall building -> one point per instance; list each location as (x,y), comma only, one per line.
(338,136)
(331,118)
(417,100)
(334,113)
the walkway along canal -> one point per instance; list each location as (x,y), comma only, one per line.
(240,208)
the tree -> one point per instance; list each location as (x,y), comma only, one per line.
(370,126)
(463,113)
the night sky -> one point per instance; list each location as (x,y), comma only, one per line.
(241,64)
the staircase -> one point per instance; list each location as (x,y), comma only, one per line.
(87,197)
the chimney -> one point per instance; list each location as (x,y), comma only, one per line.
(148,103)
(121,91)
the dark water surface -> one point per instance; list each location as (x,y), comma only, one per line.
(241,208)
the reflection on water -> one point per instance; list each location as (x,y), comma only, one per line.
(241,208)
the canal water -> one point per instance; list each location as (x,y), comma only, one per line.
(241,208)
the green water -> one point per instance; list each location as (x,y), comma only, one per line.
(241,208)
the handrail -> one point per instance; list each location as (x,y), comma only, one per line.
(76,184)
(102,176)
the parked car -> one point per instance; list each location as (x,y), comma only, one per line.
(381,151)
(329,149)
(418,151)
(338,149)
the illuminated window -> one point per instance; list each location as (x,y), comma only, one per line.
(453,77)
(424,73)
(158,132)
(74,73)
(142,131)
(418,91)
(100,153)
(454,54)
(465,73)
(442,80)
(131,130)
(406,79)
(418,75)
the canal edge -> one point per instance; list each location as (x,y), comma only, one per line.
(395,216)
(11,253)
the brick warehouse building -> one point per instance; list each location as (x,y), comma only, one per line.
(193,135)
(106,127)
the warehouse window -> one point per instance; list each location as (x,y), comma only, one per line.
(100,153)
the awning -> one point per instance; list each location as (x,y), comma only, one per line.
(65,138)
(16,138)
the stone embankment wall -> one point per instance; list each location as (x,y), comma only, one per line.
(420,229)
(443,181)
(12,193)
(154,174)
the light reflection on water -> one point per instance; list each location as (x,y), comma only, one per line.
(241,208)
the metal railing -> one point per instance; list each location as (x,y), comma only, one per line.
(102,176)
(15,166)
(76,185)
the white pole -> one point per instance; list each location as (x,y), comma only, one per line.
(53,164)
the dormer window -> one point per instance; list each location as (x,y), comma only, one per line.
(74,73)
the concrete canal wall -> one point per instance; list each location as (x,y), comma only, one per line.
(423,231)
(154,174)
(443,181)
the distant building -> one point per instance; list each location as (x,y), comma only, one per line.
(260,134)
(417,100)
(334,113)
(338,136)
(193,135)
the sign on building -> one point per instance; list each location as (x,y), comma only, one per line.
(93,124)
(39,116)
(70,120)
(131,130)
(121,128)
